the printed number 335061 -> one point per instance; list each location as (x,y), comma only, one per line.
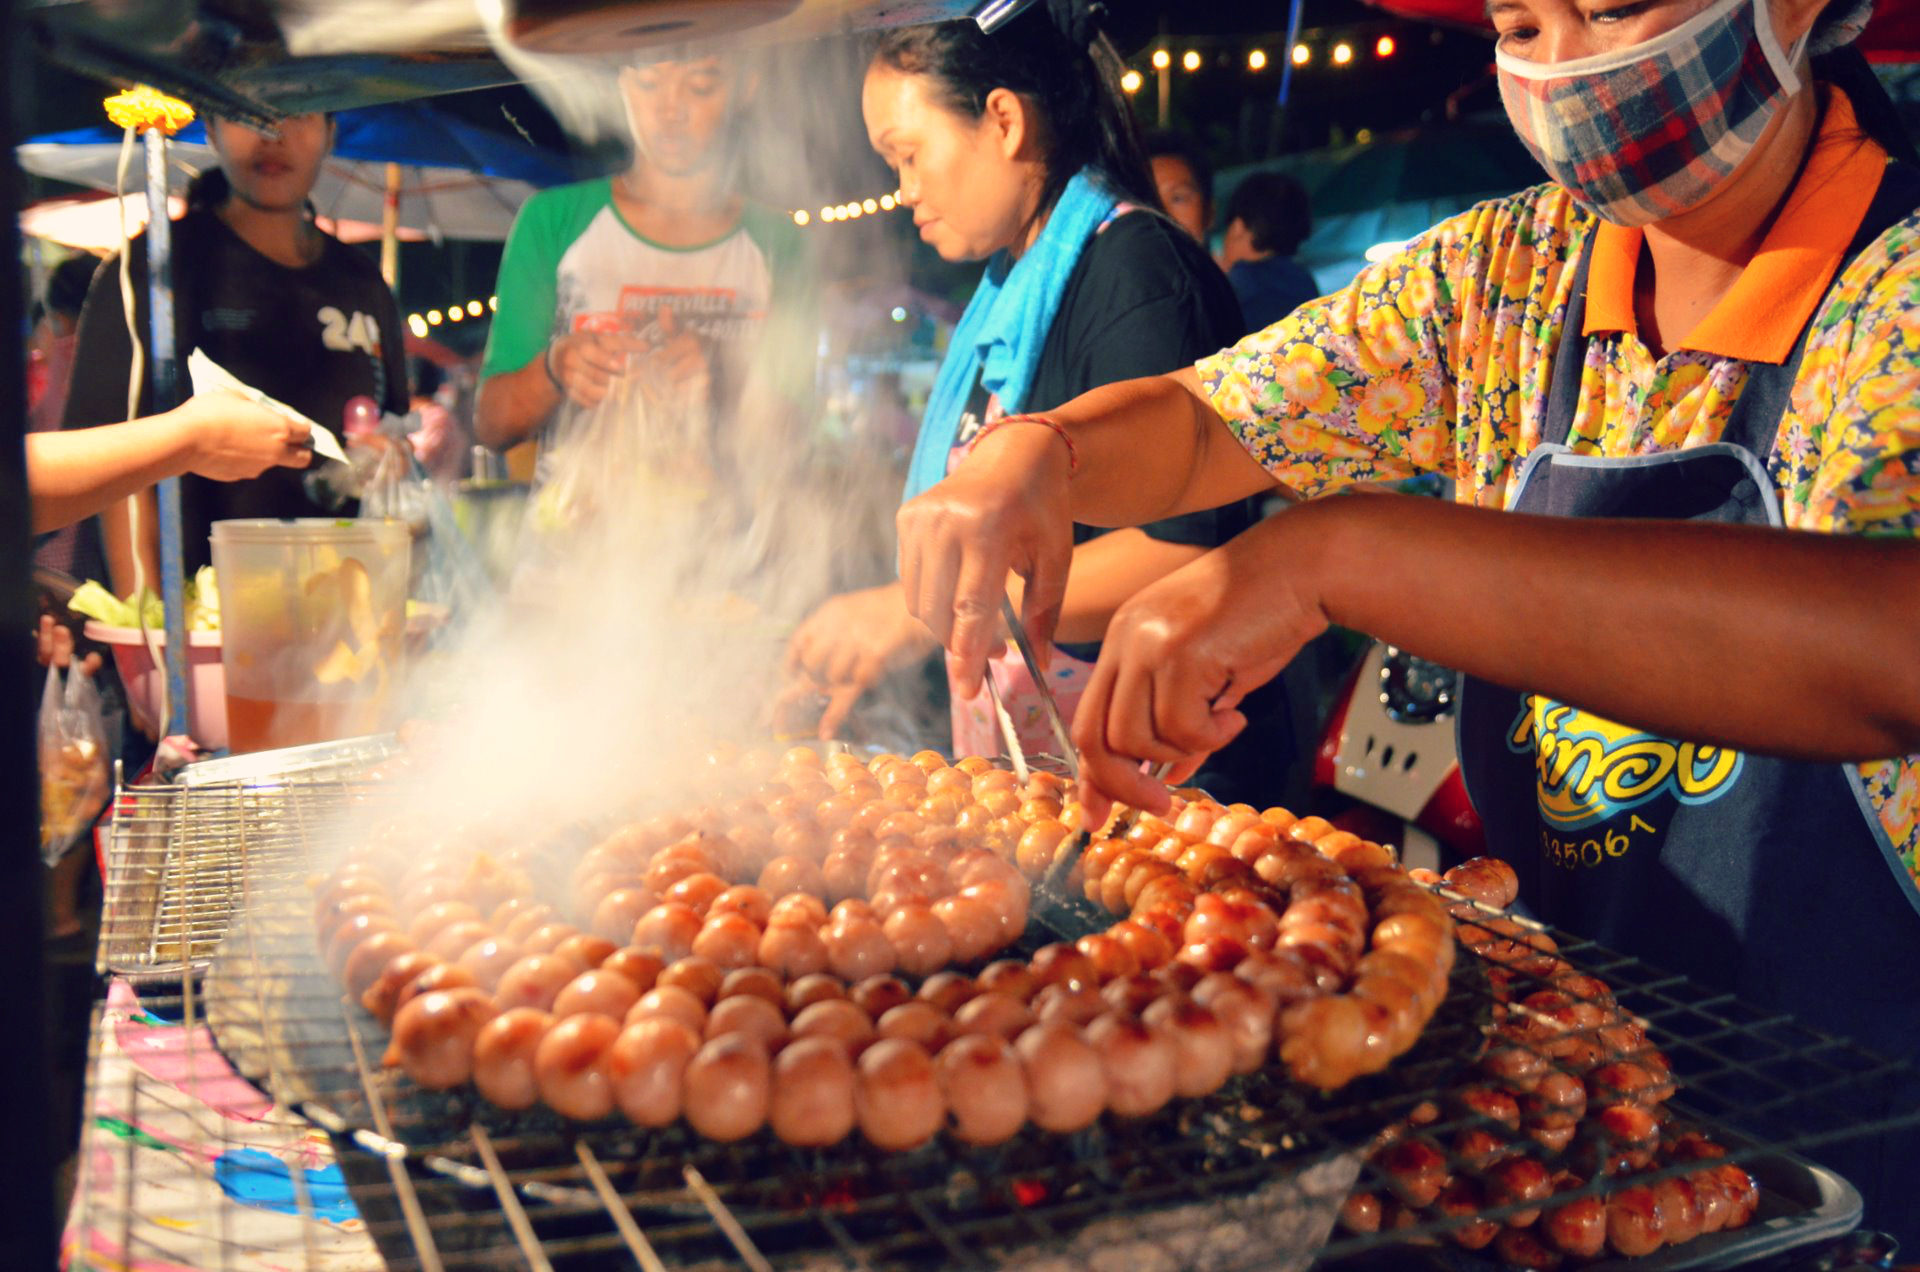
(1574,854)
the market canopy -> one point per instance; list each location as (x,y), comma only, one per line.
(458,180)
(1892,36)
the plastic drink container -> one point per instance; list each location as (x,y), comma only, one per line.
(313,613)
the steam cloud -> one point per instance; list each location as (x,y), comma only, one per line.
(650,627)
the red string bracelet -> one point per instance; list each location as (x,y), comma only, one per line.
(1073,452)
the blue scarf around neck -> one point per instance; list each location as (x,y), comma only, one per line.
(998,340)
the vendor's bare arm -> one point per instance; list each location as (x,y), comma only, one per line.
(1781,641)
(1789,642)
(510,406)
(1154,448)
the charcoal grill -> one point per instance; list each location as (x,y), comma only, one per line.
(1249,1177)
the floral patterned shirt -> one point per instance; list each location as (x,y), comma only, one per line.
(1439,359)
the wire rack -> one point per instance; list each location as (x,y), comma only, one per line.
(1249,1177)
(180,852)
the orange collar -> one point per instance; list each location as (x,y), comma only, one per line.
(1772,301)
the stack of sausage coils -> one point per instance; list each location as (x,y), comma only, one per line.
(1570,1089)
(846,987)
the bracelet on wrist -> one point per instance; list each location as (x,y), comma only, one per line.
(546,364)
(1073,452)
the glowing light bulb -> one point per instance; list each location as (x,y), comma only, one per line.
(1257,59)
(1342,54)
(1130,82)
(826,214)
(899,313)
(1162,59)
(1301,54)
(417,325)
(493,303)
(473,308)
(869,205)
(1190,60)
(433,317)
(887,203)
(1384,46)
(801,217)
(455,313)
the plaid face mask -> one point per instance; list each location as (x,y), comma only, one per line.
(1650,131)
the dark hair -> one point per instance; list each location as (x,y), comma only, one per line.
(67,285)
(424,376)
(1846,69)
(1075,87)
(1275,209)
(208,190)
(1169,143)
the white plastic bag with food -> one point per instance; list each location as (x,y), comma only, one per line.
(74,784)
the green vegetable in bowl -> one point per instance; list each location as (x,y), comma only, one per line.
(203,604)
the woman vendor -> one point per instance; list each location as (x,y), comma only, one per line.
(1690,730)
(1018,148)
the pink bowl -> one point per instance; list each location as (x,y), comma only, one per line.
(206,679)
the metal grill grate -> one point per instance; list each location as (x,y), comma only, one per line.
(1249,1177)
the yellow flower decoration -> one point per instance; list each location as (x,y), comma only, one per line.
(143,108)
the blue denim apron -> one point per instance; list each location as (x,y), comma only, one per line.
(1772,879)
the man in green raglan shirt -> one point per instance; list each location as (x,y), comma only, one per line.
(662,273)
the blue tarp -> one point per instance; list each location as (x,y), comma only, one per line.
(406,133)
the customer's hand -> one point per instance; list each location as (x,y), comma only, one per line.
(229,438)
(56,647)
(848,645)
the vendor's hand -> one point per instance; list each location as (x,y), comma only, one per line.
(56,647)
(848,645)
(1179,657)
(588,362)
(231,439)
(1004,509)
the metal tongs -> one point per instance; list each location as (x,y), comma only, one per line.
(1076,843)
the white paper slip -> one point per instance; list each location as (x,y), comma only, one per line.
(209,376)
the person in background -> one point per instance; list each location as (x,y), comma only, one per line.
(664,269)
(1018,148)
(1691,718)
(285,307)
(56,320)
(1268,216)
(1185,181)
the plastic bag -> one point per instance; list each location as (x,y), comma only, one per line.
(74,784)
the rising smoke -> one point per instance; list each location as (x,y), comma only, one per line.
(647,620)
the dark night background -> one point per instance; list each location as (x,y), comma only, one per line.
(1230,109)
